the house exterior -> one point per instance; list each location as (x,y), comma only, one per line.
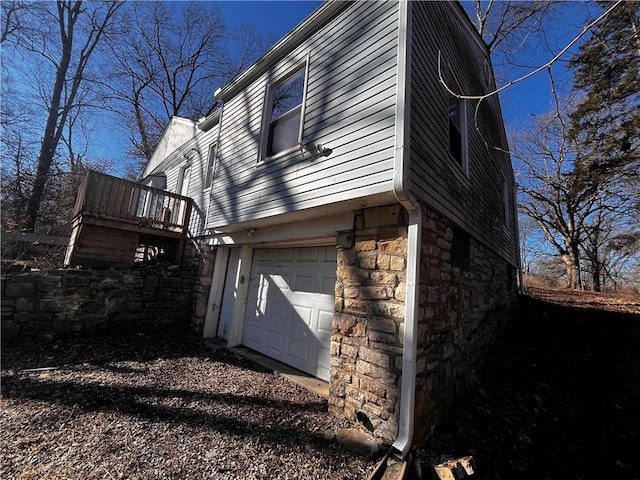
(358,216)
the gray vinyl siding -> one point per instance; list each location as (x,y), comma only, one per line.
(172,165)
(349,108)
(473,201)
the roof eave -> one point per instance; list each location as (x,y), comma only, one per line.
(307,27)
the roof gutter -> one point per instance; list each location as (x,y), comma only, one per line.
(414,232)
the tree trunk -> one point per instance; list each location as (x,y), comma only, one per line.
(49,141)
(572,266)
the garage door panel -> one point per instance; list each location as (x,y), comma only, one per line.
(325,321)
(304,283)
(298,350)
(274,341)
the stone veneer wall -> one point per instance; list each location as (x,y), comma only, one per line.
(44,306)
(201,258)
(366,344)
(463,311)
(461,314)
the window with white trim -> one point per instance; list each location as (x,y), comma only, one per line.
(457,115)
(211,161)
(284,113)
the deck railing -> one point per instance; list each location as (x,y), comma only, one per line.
(115,198)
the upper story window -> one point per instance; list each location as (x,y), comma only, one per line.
(183,179)
(504,192)
(284,113)
(211,161)
(457,124)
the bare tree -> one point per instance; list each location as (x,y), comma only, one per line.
(66,36)
(551,195)
(505,25)
(167,62)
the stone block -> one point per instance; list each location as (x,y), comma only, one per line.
(348,325)
(389,309)
(351,273)
(456,469)
(23,304)
(132,280)
(10,331)
(163,296)
(382,216)
(76,279)
(337,387)
(382,324)
(351,292)
(384,261)
(346,257)
(398,263)
(375,293)
(374,371)
(358,306)
(400,292)
(371,386)
(397,246)
(381,337)
(61,324)
(367,260)
(365,245)
(344,239)
(348,351)
(178,296)
(375,357)
(50,305)
(22,289)
(384,278)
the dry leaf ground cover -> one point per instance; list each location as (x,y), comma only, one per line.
(153,408)
(559,398)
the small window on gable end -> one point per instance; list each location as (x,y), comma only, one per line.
(457,123)
(284,113)
(504,193)
(211,161)
(461,249)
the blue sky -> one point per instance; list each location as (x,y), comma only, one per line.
(278,18)
(518,102)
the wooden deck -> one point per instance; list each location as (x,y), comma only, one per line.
(114,220)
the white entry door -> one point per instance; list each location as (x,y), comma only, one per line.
(229,294)
(290,306)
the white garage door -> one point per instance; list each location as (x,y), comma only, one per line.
(290,306)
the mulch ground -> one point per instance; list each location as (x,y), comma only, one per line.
(153,408)
(559,398)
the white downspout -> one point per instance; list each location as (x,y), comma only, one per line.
(414,232)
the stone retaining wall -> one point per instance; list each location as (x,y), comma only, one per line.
(44,306)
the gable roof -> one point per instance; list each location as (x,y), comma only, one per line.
(179,131)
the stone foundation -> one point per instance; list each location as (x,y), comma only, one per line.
(366,345)
(467,293)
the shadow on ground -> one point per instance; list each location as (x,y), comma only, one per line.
(558,399)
